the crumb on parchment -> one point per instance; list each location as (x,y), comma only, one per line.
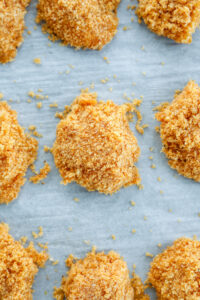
(79,23)
(17,152)
(179,131)
(18,267)
(174,273)
(12,14)
(99,276)
(175,19)
(42,174)
(95,147)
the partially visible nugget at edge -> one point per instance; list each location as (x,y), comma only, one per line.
(180,131)
(95,147)
(18,267)
(174,273)
(17,152)
(175,19)
(80,23)
(99,276)
(12,14)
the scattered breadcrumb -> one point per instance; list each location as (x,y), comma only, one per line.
(159,179)
(53,104)
(92,142)
(175,19)
(159,245)
(76,199)
(17,152)
(65,20)
(42,174)
(37,134)
(46,149)
(37,61)
(133,203)
(149,254)
(97,276)
(31,94)
(39,234)
(175,272)
(179,131)
(133,231)
(145,218)
(1,96)
(113,237)
(39,105)
(32,127)
(18,267)
(153,166)
(11,27)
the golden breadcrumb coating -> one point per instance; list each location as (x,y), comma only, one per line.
(18,267)
(179,131)
(42,175)
(97,276)
(80,23)
(175,272)
(138,288)
(17,152)
(175,19)
(95,147)
(12,14)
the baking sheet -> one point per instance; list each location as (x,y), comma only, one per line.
(96,217)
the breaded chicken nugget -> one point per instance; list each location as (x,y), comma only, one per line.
(180,131)
(95,147)
(12,14)
(17,152)
(18,267)
(96,277)
(175,272)
(175,19)
(80,23)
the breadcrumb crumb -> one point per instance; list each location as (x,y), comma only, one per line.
(42,174)
(17,152)
(79,23)
(37,61)
(179,131)
(18,267)
(12,14)
(175,19)
(95,146)
(175,272)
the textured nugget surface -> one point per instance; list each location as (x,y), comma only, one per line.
(17,152)
(180,131)
(97,276)
(175,19)
(175,272)
(12,14)
(18,267)
(95,147)
(80,23)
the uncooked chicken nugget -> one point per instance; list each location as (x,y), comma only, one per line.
(12,14)
(80,23)
(95,147)
(175,272)
(175,19)
(18,267)
(180,131)
(17,152)
(96,277)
